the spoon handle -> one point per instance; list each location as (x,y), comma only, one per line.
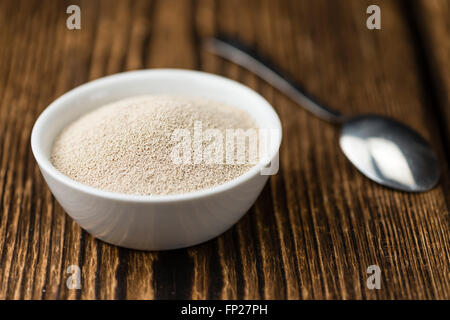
(248,58)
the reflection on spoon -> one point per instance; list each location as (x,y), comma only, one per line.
(371,155)
(397,168)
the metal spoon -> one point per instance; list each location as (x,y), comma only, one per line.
(384,150)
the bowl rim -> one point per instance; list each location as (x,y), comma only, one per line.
(46,165)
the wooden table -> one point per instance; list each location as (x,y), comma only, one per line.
(317,225)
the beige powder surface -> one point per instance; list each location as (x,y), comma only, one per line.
(125,146)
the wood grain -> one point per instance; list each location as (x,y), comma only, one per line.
(433,20)
(318,223)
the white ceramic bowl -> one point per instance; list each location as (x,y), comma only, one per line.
(153,222)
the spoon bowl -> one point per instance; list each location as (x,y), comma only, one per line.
(389,153)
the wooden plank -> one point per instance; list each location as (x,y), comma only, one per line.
(432,18)
(317,225)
